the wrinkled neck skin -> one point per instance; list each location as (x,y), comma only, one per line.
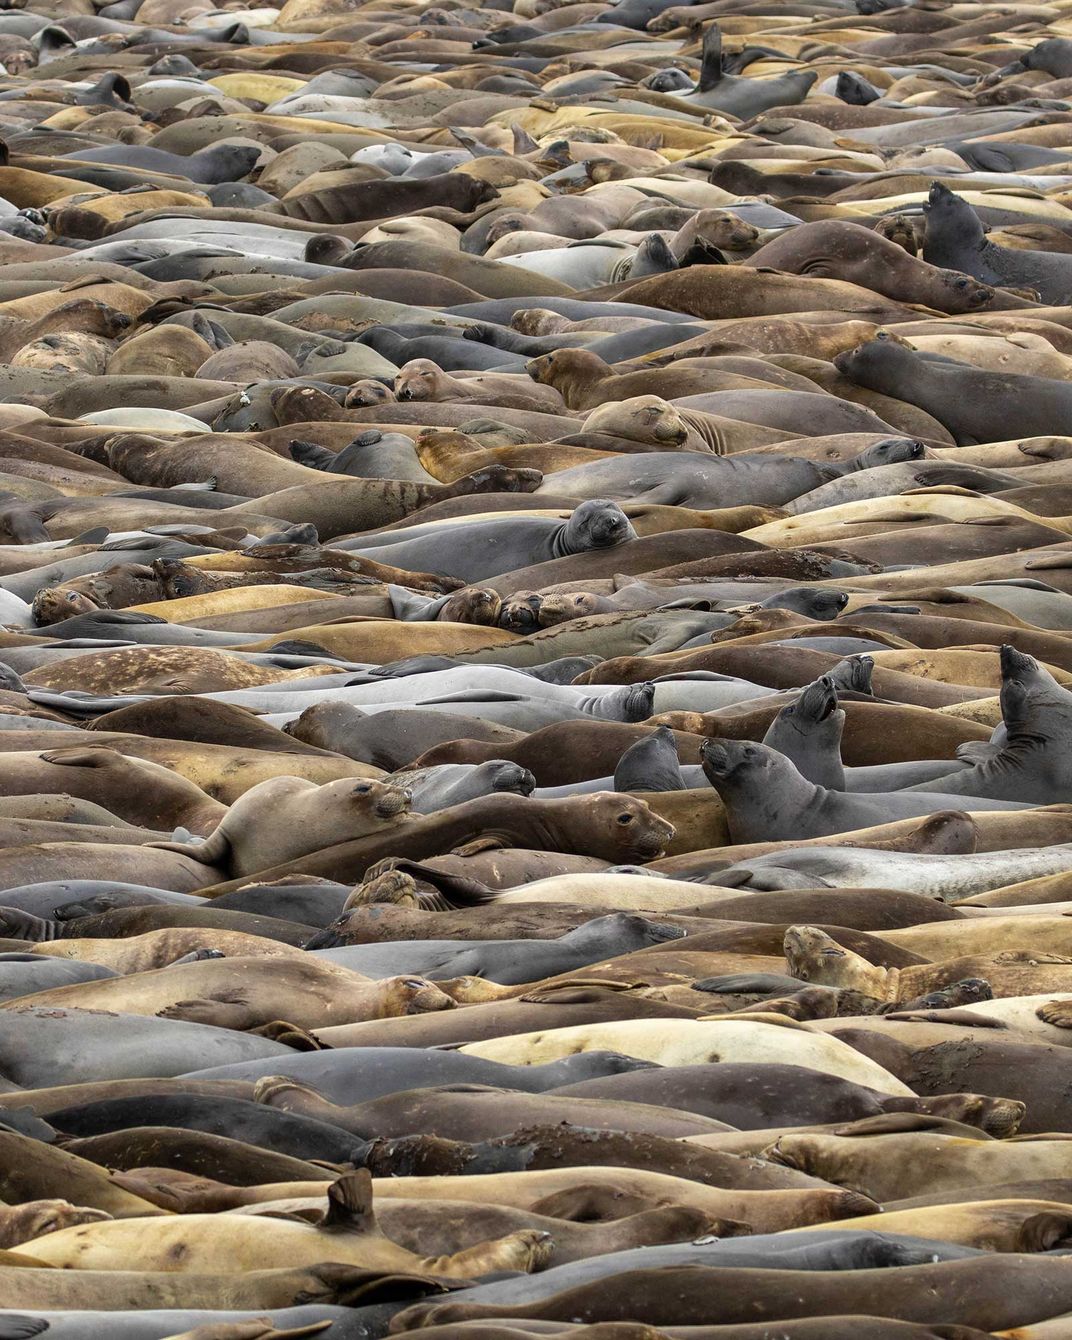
(564,542)
(763,805)
(1035,763)
(813,746)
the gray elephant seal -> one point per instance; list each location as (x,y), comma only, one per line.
(509,962)
(439,787)
(484,549)
(767,799)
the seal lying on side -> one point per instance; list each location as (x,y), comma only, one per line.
(285,817)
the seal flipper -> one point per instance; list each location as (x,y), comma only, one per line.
(350,1204)
(710,60)
(1057,1013)
(22,1328)
(309,454)
(651,764)
(523,141)
(230,1009)
(212,850)
(93,536)
(701,252)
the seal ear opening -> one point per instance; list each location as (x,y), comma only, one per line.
(350,1204)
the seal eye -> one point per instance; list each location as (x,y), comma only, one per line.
(72,597)
(362,789)
(414,983)
(624,819)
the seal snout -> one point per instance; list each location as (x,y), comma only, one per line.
(658,932)
(720,758)
(1015,663)
(395,800)
(819,699)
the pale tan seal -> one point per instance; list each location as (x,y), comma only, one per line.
(287,817)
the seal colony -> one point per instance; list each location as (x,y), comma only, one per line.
(535,677)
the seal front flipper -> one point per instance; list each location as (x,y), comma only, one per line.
(227,1010)
(1056,1012)
(527,1250)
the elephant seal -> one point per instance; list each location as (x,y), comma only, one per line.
(448,784)
(1029,763)
(231,993)
(603,825)
(354,1236)
(954,236)
(767,799)
(974,405)
(139,791)
(281,819)
(672,1297)
(386,1070)
(102,1048)
(836,249)
(510,962)
(809,732)
(723,92)
(483,549)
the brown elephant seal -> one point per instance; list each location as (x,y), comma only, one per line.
(608,826)
(235,993)
(284,818)
(837,249)
(34,1218)
(139,791)
(642,418)
(421,379)
(348,1232)
(176,669)
(115,588)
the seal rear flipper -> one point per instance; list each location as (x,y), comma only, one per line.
(710,60)
(290,1035)
(204,852)
(350,1204)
